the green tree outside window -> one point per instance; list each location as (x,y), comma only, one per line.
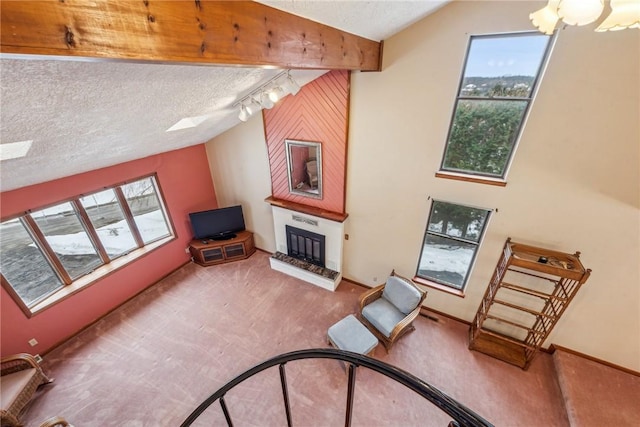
(498,82)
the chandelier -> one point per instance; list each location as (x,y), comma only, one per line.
(624,14)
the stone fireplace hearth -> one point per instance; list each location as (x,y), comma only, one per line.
(326,274)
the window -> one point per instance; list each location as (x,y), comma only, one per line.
(23,263)
(45,250)
(142,198)
(450,243)
(499,79)
(106,216)
(68,239)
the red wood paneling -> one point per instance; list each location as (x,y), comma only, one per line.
(318,113)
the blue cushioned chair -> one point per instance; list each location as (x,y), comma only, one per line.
(388,310)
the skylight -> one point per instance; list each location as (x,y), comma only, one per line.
(188,122)
(14,150)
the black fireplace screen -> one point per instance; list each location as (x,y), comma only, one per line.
(305,245)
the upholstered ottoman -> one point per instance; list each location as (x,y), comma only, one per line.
(351,335)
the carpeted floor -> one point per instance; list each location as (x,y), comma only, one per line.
(156,358)
(596,394)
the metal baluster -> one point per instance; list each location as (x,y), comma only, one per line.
(462,416)
(350,390)
(285,394)
(226,412)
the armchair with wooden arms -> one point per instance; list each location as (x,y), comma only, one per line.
(20,377)
(388,310)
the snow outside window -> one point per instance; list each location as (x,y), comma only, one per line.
(147,210)
(47,249)
(23,263)
(450,244)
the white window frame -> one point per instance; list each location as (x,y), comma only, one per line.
(476,176)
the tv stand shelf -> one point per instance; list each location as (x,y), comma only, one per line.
(211,252)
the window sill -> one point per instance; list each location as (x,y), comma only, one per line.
(439,286)
(98,274)
(472,178)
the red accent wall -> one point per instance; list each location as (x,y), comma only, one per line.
(318,113)
(185,180)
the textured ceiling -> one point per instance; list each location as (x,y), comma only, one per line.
(84,115)
(376,20)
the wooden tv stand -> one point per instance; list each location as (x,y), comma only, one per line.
(210,252)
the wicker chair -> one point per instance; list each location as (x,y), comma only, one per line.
(312,172)
(389,310)
(21,376)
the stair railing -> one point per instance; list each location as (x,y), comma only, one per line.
(462,416)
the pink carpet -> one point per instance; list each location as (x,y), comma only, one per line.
(595,394)
(153,360)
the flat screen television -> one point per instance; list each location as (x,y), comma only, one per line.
(217,224)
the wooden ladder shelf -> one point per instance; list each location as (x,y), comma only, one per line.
(514,320)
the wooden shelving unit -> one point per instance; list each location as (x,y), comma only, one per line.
(530,289)
(211,252)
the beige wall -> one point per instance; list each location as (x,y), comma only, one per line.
(574,184)
(240,171)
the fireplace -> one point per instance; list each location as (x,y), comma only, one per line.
(305,245)
(308,247)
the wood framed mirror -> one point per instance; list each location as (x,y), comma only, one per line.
(304,168)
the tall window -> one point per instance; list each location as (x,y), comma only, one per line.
(450,243)
(499,79)
(45,250)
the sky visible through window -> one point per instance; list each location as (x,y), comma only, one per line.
(498,83)
(505,56)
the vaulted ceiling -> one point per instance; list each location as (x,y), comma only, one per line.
(86,111)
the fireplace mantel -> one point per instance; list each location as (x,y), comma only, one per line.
(310,210)
(332,231)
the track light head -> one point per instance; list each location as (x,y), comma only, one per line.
(244,113)
(276,94)
(290,85)
(253,105)
(266,101)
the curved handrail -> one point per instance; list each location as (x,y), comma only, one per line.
(464,416)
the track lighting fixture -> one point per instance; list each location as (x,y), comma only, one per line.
(266,95)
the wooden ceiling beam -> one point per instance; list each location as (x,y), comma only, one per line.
(229,33)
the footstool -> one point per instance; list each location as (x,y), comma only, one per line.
(351,335)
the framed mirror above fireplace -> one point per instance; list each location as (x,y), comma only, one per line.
(304,168)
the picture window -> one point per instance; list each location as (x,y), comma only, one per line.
(499,79)
(46,250)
